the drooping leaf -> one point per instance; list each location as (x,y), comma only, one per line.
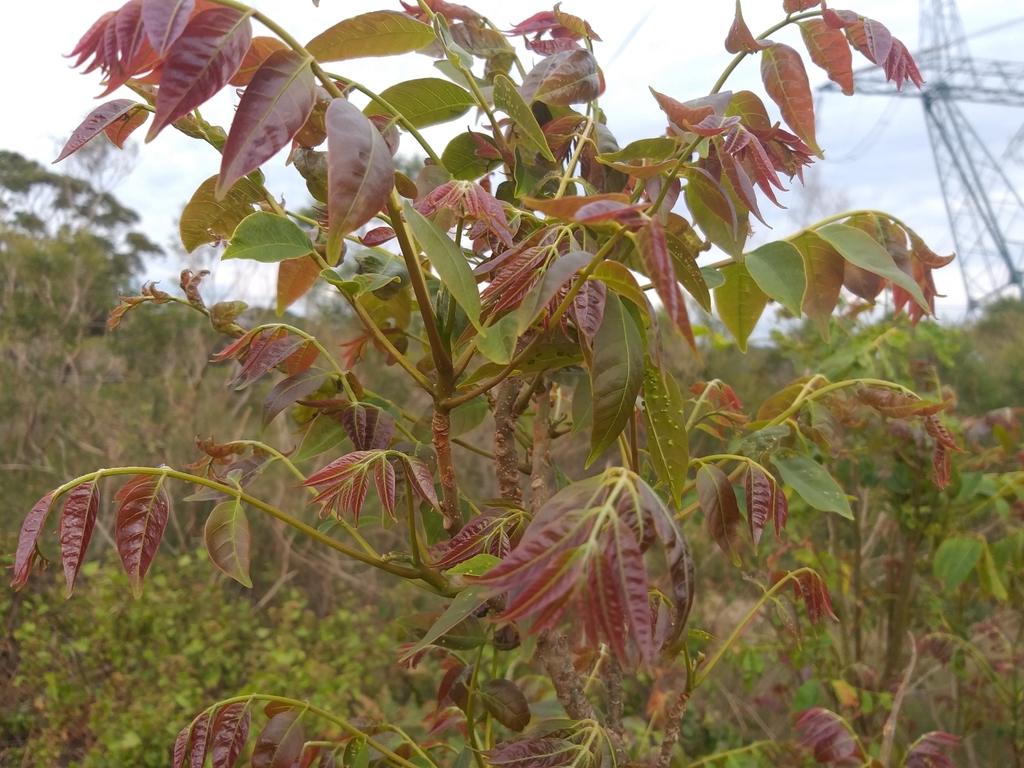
(932,751)
(667,441)
(823,268)
(448,261)
(687,271)
(785,81)
(260,49)
(872,39)
(897,405)
(95,123)
(859,248)
(508,100)
(657,260)
(718,502)
(27,552)
(778,270)
(814,484)
(464,604)
(739,302)
(76,523)
(323,434)
(715,213)
(500,341)
(229,540)
(164,21)
(180,745)
(268,350)
(120,129)
(829,738)
(828,49)
(276,104)
(294,278)
(765,502)
(370,428)
(557,275)
(417,474)
(426,101)
(207,220)
(200,63)
(378,33)
(230,733)
(955,559)
(201,736)
(140,524)
(361,173)
(267,237)
(506,703)
(617,374)
(281,741)
(569,77)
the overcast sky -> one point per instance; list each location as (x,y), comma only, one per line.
(877,148)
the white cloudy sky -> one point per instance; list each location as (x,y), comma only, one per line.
(876,147)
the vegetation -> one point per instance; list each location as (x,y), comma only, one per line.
(549,469)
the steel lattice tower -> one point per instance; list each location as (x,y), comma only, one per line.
(986,212)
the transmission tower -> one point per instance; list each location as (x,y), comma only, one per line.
(985,210)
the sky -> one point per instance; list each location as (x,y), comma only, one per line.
(876,148)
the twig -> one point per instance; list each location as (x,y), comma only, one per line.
(506,457)
(889,730)
(541,478)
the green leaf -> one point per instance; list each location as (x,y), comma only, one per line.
(467,417)
(814,484)
(687,271)
(739,302)
(712,277)
(500,341)
(379,33)
(207,220)
(477,565)
(467,601)
(859,248)
(616,376)
(667,441)
(461,160)
(268,238)
(547,357)
(954,559)
(661,148)
(426,101)
(228,540)
(991,582)
(778,269)
(322,435)
(619,279)
(807,695)
(582,405)
(448,261)
(823,266)
(509,101)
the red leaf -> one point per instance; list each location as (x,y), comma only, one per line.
(264,354)
(548,752)
(121,128)
(420,480)
(469,200)
(180,746)
(795,6)
(287,391)
(370,428)
(551,47)
(76,523)
(810,587)
(281,742)
(360,176)
(164,21)
(275,105)
(872,39)
(828,49)
(587,308)
(710,192)
(377,236)
(301,359)
(897,405)
(683,115)
(97,121)
(927,751)
(27,553)
(785,81)
(570,77)
(740,38)
(657,261)
(259,51)
(829,738)
(626,561)
(294,278)
(900,66)
(91,43)
(839,19)
(384,479)
(718,502)
(230,732)
(201,734)
(140,524)
(343,483)
(200,63)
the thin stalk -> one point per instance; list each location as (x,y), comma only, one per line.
(806,398)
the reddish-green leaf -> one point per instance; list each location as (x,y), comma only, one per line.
(829,738)
(739,302)
(120,129)
(569,77)
(229,540)
(200,63)
(76,523)
(830,51)
(164,21)
(280,744)
(230,732)
(361,173)
(785,81)
(872,39)
(370,428)
(378,33)
(932,751)
(27,551)
(276,104)
(140,524)
(208,220)
(260,49)
(294,278)
(417,473)
(795,6)
(861,249)
(823,267)
(703,188)
(658,263)
(765,502)
(616,376)
(897,405)
(287,391)
(268,350)
(97,121)
(506,703)
(740,38)
(625,562)
(718,502)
